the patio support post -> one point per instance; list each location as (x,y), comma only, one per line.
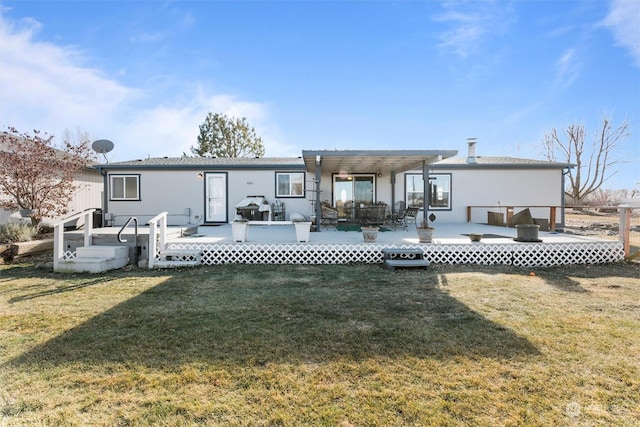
(425,190)
(317,187)
(393,191)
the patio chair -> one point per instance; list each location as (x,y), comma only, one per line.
(329,217)
(375,214)
(411,215)
(398,218)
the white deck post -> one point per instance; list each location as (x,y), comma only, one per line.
(88,227)
(624,229)
(58,234)
(58,244)
(163,230)
(152,243)
(153,230)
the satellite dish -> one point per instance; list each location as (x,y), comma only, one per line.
(102,146)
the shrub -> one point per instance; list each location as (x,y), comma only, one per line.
(17,232)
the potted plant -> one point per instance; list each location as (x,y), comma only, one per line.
(425,232)
(370,234)
(240,229)
(475,237)
(303,229)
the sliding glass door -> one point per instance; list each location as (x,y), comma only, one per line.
(352,190)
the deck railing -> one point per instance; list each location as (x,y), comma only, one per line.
(58,234)
(510,212)
(157,235)
(624,230)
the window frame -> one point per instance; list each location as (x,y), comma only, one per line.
(449,195)
(124,177)
(292,185)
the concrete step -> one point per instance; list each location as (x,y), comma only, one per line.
(91,265)
(96,251)
(95,259)
(392,264)
(175,264)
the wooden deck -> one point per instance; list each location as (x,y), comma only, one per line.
(275,243)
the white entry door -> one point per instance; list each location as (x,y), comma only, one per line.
(216,197)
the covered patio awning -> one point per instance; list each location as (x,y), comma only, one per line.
(370,161)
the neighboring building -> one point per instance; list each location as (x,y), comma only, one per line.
(196,190)
(88,194)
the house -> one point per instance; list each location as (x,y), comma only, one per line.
(212,191)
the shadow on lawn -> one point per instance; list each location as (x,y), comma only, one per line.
(58,290)
(288,314)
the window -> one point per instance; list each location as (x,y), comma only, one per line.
(289,184)
(125,187)
(439,191)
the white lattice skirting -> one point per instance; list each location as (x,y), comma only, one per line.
(520,254)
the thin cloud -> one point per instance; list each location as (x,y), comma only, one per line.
(44,85)
(147,37)
(624,22)
(48,87)
(470,27)
(567,68)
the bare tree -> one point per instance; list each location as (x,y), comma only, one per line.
(593,163)
(36,176)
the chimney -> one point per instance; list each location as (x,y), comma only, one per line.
(471,156)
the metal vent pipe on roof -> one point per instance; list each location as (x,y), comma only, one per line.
(471,156)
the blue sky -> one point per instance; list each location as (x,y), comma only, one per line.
(324,74)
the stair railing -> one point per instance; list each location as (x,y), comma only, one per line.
(136,248)
(58,234)
(126,224)
(157,235)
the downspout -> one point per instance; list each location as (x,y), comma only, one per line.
(105,196)
(317,180)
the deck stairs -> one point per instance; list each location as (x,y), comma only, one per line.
(176,258)
(404,257)
(96,259)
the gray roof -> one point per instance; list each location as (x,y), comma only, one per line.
(483,162)
(354,161)
(209,163)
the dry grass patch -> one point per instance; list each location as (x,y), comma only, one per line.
(321,345)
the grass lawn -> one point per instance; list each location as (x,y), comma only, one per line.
(338,345)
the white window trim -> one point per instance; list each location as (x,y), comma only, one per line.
(291,185)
